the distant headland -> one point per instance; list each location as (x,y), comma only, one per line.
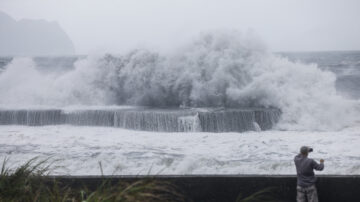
(32,38)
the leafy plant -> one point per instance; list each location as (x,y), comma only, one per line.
(29,182)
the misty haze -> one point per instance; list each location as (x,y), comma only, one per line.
(32,37)
(181,88)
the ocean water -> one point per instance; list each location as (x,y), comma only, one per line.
(78,150)
(345,64)
(220,104)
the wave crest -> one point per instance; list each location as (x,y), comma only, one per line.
(218,69)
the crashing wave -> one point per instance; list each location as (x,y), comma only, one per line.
(218,69)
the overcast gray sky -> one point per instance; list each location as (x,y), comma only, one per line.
(116,25)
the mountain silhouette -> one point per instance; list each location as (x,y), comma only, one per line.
(32,37)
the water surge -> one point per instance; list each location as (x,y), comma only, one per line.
(218,69)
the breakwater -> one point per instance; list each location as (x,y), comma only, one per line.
(149,119)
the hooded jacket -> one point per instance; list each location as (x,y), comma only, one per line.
(305,170)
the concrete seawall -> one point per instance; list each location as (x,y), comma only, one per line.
(227,187)
(149,119)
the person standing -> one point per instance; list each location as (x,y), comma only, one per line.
(306,190)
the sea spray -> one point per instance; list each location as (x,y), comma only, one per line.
(218,69)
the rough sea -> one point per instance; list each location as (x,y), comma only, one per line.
(222,104)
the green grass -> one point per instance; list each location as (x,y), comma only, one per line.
(30,182)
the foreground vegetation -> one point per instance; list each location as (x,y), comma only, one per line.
(30,182)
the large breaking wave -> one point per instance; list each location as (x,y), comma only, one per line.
(218,69)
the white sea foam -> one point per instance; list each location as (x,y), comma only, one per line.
(218,69)
(134,152)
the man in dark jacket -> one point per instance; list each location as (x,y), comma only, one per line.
(305,175)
